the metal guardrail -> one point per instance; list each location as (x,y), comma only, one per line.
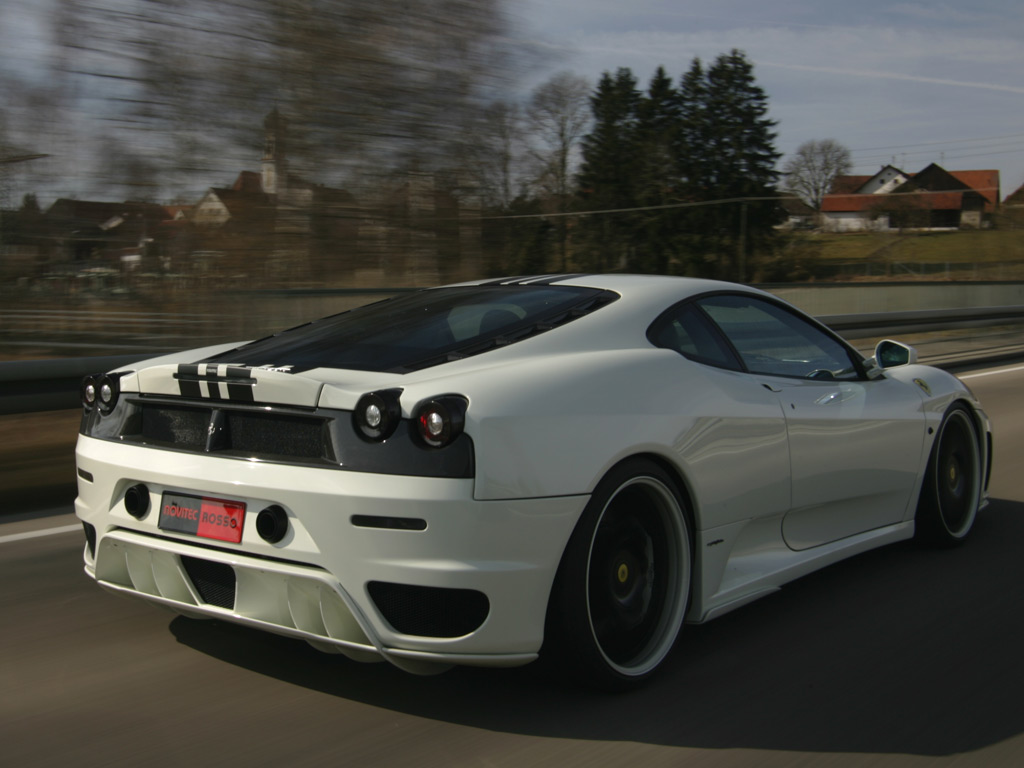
(43,385)
(27,386)
(922,321)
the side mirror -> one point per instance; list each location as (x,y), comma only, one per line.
(889,354)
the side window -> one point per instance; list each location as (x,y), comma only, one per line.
(773,341)
(688,331)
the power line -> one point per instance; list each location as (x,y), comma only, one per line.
(667,206)
(936,143)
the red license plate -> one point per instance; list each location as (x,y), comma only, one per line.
(219,519)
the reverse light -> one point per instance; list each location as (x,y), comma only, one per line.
(108,391)
(377,414)
(89,392)
(441,420)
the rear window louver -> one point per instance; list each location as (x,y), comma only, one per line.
(512,335)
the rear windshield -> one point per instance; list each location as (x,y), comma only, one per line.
(422,329)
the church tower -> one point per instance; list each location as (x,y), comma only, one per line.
(275,157)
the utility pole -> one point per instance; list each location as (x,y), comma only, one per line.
(742,250)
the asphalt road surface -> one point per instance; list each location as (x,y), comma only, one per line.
(904,656)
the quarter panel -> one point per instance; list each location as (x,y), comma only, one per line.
(555,429)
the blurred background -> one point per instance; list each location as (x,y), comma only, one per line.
(174,172)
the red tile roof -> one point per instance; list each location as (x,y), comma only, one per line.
(936,201)
(847,185)
(849,203)
(986,183)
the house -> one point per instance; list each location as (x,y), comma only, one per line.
(1015,199)
(796,214)
(275,224)
(102,234)
(932,199)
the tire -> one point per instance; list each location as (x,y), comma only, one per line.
(951,493)
(623,585)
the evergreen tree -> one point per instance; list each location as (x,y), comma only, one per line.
(657,180)
(741,161)
(707,141)
(607,173)
(693,164)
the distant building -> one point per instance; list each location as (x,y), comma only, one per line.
(275,224)
(932,199)
(119,236)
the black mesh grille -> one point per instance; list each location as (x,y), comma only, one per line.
(239,432)
(175,425)
(430,611)
(273,435)
(215,582)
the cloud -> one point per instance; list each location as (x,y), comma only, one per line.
(893,76)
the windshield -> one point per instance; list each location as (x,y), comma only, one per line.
(421,329)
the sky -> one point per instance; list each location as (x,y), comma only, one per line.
(902,83)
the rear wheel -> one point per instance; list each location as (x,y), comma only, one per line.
(951,492)
(624,581)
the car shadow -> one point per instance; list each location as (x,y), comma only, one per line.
(905,649)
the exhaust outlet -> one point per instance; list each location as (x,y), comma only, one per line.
(136,501)
(272,524)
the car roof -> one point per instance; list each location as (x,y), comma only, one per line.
(632,287)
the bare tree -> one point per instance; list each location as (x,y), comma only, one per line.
(558,117)
(381,84)
(809,172)
(498,153)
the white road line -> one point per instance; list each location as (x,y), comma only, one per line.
(38,534)
(993,373)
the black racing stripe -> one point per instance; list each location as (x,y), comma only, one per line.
(240,391)
(507,280)
(242,388)
(188,384)
(558,278)
(214,389)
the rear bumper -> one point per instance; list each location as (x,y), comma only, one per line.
(315,583)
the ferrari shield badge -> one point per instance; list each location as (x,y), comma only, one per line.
(924,385)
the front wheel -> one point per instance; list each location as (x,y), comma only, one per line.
(951,492)
(624,581)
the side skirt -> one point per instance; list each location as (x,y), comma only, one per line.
(747,576)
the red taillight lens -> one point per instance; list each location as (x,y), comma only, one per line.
(441,420)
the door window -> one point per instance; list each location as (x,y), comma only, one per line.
(772,340)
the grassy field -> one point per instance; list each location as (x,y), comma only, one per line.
(961,255)
(956,247)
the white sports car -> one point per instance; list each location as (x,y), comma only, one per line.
(463,474)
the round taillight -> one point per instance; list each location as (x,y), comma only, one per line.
(377,414)
(106,387)
(440,421)
(89,392)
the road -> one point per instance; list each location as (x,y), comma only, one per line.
(900,657)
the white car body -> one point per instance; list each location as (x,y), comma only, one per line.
(779,476)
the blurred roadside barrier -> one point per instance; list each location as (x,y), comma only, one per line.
(945,339)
